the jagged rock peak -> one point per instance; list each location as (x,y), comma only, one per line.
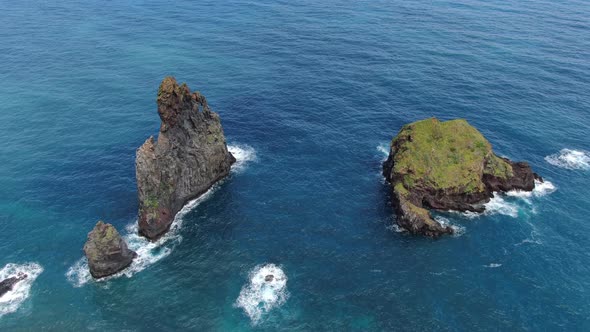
(189,156)
(174,100)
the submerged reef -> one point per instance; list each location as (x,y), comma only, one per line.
(189,156)
(446,166)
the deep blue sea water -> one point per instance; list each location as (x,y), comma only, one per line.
(310,93)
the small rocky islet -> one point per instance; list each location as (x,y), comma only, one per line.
(106,251)
(189,156)
(446,166)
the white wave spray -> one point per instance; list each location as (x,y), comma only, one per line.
(244,154)
(266,290)
(149,252)
(383,149)
(13,299)
(500,205)
(570,159)
(457,230)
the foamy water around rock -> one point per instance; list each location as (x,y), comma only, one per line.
(149,252)
(266,290)
(12,300)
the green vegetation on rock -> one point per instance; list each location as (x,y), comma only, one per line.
(446,156)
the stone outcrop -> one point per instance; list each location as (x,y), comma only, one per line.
(7,284)
(106,251)
(446,166)
(189,156)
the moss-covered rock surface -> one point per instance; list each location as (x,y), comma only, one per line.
(447,166)
(106,251)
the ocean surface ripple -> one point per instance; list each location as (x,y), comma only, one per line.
(313,92)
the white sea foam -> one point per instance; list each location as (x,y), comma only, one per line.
(244,154)
(259,296)
(149,252)
(541,189)
(502,203)
(383,149)
(570,159)
(12,300)
(493,265)
(498,205)
(395,228)
(458,230)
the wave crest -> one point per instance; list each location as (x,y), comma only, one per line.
(244,154)
(570,159)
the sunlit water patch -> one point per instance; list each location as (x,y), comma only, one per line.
(13,299)
(149,252)
(570,159)
(266,290)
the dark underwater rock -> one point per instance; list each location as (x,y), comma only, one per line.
(446,166)
(106,251)
(7,284)
(189,156)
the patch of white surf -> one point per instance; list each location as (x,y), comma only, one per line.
(508,203)
(457,230)
(570,159)
(266,290)
(12,300)
(493,265)
(244,154)
(541,189)
(149,252)
(383,149)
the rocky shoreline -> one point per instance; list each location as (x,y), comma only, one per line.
(446,166)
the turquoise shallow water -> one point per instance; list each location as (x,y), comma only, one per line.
(309,94)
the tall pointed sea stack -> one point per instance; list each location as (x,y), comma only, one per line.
(446,166)
(189,156)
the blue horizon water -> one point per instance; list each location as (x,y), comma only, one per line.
(309,94)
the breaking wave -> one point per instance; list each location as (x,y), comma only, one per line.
(149,252)
(508,203)
(493,265)
(458,230)
(13,299)
(263,293)
(243,154)
(383,149)
(570,159)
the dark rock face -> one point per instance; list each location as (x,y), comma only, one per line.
(189,156)
(106,251)
(446,166)
(7,284)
